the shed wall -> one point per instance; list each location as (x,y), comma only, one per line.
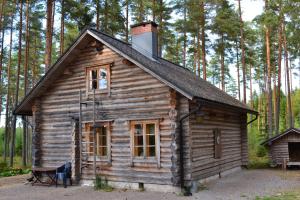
(279,149)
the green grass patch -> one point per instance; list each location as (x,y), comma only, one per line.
(102,184)
(293,195)
(256,162)
(18,169)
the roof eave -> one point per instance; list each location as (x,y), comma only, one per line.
(202,100)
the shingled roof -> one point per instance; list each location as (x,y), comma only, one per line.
(175,76)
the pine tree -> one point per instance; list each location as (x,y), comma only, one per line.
(14,122)
(49,31)
(225,26)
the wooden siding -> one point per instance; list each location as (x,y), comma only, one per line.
(134,95)
(279,149)
(202,124)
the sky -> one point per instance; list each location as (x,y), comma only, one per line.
(250,8)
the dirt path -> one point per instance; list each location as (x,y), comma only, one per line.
(249,184)
(244,185)
(9,181)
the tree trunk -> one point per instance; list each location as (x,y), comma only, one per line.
(243,53)
(287,71)
(48,49)
(98,15)
(184,35)
(24,153)
(127,21)
(222,64)
(105,27)
(251,93)
(154,10)
(160,32)
(14,122)
(198,52)
(238,70)
(203,48)
(278,96)
(62,27)
(7,106)
(269,76)
(34,71)
(195,56)
(2,50)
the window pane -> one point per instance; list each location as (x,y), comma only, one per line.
(138,140)
(101,141)
(150,129)
(102,151)
(150,151)
(138,151)
(94,74)
(138,129)
(94,84)
(103,79)
(150,139)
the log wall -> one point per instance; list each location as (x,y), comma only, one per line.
(133,95)
(233,141)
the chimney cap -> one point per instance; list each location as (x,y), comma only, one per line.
(144,23)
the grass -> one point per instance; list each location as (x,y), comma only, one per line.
(291,195)
(5,170)
(102,184)
(18,169)
(256,162)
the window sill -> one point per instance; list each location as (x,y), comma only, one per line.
(99,159)
(145,160)
(97,91)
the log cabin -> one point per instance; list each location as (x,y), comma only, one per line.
(284,149)
(121,111)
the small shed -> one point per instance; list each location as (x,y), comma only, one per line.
(284,149)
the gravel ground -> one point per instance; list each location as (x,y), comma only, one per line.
(246,184)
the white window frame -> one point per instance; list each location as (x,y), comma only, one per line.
(98,68)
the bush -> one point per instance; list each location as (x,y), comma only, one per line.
(261,151)
(5,172)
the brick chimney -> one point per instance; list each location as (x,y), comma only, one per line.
(144,38)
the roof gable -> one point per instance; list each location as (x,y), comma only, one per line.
(286,132)
(176,77)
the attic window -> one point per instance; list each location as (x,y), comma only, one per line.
(98,78)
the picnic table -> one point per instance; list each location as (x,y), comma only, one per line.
(49,172)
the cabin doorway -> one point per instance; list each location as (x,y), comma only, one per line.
(294,151)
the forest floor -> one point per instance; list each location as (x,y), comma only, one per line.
(259,184)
